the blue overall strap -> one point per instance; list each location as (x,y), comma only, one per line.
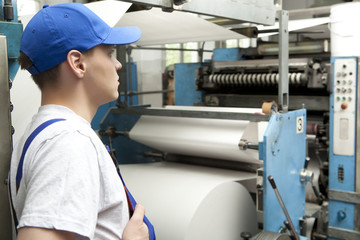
(146,220)
(132,199)
(32,136)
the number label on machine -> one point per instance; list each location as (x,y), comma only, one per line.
(344,96)
(299,124)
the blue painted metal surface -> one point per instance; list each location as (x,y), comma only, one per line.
(284,150)
(127,150)
(101,112)
(341,214)
(226,54)
(185,85)
(13,31)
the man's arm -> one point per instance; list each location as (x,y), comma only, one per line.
(135,229)
(33,233)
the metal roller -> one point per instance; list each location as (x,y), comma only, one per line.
(244,79)
(241,79)
(254,79)
(232,78)
(250,79)
(263,79)
(298,78)
(222,79)
(211,77)
(273,78)
(218,78)
(268,80)
(227,79)
(292,78)
(237,77)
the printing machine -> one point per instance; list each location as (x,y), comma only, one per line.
(246,78)
(309,95)
(280,206)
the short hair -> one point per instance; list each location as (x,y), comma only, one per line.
(49,76)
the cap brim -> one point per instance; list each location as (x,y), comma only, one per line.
(123,35)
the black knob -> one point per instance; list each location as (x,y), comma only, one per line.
(246,235)
(272,181)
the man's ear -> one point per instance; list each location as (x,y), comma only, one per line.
(75,60)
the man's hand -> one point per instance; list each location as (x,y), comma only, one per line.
(136,229)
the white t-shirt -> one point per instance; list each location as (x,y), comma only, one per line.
(69,180)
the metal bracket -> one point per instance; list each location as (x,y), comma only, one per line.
(283,90)
(341,233)
(343,196)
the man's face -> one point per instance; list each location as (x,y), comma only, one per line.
(101,74)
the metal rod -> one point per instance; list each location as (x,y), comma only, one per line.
(310,12)
(272,183)
(155,155)
(244,144)
(357,158)
(128,51)
(147,92)
(191,114)
(171,49)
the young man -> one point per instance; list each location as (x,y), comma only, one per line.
(64,184)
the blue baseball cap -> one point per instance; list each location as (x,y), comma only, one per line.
(57,29)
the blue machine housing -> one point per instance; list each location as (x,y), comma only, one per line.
(13,31)
(185,86)
(341,214)
(127,151)
(284,150)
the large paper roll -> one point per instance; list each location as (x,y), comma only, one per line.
(210,138)
(186,202)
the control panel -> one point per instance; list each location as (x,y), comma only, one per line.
(344,99)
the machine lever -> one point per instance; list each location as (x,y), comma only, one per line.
(287,225)
(292,228)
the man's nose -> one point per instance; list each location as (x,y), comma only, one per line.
(118,65)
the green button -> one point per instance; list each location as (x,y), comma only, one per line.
(338,98)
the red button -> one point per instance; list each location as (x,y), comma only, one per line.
(344,106)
